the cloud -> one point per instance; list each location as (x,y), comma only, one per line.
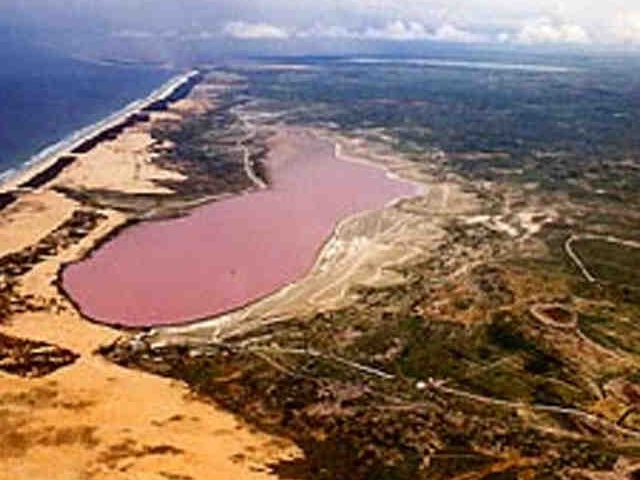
(202,35)
(252,31)
(543,31)
(625,27)
(334,32)
(533,32)
(469,21)
(503,37)
(397,30)
(133,34)
(449,33)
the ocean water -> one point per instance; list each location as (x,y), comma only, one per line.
(46,97)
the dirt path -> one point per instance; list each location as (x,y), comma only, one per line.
(248,168)
(573,412)
(587,236)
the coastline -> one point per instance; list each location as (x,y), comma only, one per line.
(12,179)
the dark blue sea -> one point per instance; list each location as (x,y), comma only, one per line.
(46,96)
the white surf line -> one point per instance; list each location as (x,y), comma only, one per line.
(40,161)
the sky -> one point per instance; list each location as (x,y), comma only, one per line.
(291,23)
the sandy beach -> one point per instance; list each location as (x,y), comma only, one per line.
(51,154)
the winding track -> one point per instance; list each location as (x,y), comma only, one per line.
(252,131)
(589,236)
(439,385)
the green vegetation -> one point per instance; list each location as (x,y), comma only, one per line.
(612,332)
(203,149)
(610,262)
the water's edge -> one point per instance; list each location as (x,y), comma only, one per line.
(42,159)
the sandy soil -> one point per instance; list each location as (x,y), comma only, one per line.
(32,217)
(96,420)
(92,419)
(123,165)
(191,105)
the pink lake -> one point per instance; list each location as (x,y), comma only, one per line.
(227,254)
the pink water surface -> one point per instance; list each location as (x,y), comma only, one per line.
(227,254)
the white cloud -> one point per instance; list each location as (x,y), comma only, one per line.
(243,30)
(198,36)
(449,33)
(543,31)
(503,37)
(133,34)
(566,21)
(397,30)
(626,28)
(540,31)
(333,31)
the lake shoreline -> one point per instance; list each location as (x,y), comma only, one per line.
(286,148)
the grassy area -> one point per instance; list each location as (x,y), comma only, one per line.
(611,332)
